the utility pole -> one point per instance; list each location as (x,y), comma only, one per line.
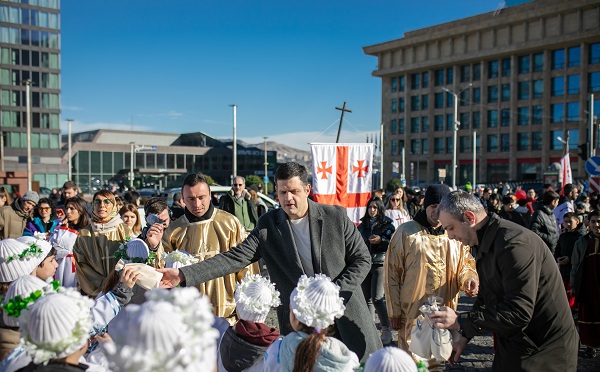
(266,179)
(28,104)
(70,156)
(131,166)
(474,159)
(592,145)
(381,155)
(234,140)
(342,109)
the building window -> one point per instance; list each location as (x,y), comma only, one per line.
(438,123)
(439,77)
(523,116)
(505,95)
(465,120)
(465,74)
(492,69)
(400,126)
(401,104)
(537,115)
(415,103)
(394,105)
(594,53)
(492,94)
(464,144)
(401,83)
(522,141)
(555,144)
(476,120)
(477,72)
(492,143)
(394,126)
(558,113)
(558,59)
(450,75)
(449,99)
(492,118)
(574,56)
(538,89)
(523,90)
(536,140)
(394,147)
(524,64)
(476,95)
(505,142)
(424,102)
(538,62)
(505,117)
(438,145)
(424,146)
(594,81)
(414,146)
(449,122)
(558,86)
(449,145)
(439,100)
(573,84)
(573,138)
(465,97)
(394,84)
(572,111)
(424,124)
(506,67)
(425,79)
(414,125)
(415,81)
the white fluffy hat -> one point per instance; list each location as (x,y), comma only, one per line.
(56,325)
(21,293)
(254,298)
(177,259)
(20,257)
(171,331)
(390,359)
(63,240)
(316,301)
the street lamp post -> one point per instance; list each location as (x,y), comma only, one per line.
(266,179)
(234,139)
(131,165)
(474,159)
(28,105)
(381,156)
(70,121)
(455,131)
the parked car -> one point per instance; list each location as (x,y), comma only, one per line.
(146,194)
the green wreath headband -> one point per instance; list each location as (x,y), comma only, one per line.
(32,251)
(17,304)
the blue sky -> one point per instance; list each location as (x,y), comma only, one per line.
(176,66)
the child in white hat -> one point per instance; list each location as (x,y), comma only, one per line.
(171,331)
(390,359)
(63,240)
(54,331)
(314,305)
(243,346)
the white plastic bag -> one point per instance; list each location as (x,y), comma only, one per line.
(426,340)
(421,337)
(441,344)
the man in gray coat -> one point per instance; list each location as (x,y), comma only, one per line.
(303,237)
(521,295)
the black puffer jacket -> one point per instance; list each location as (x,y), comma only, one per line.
(385,230)
(543,223)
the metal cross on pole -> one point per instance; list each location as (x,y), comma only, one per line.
(342,109)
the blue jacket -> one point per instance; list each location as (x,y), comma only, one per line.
(38,226)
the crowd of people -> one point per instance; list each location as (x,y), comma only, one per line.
(114,285)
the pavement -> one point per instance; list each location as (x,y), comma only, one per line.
(479,354)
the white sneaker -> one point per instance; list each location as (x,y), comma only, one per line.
(386,335)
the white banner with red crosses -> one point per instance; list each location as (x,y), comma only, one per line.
(342,175)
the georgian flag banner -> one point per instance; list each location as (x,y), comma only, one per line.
(566,175)
(342,175)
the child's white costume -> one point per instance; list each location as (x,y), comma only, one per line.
(63,240)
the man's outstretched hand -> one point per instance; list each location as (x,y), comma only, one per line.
(171,278)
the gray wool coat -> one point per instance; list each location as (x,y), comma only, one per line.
(338,251)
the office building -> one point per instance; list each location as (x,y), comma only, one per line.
(523,75)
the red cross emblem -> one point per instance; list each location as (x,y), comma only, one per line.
(360,169)
(323,170)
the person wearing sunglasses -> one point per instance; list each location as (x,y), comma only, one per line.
(396,208)
(239,202)
(94,250)
(44,219)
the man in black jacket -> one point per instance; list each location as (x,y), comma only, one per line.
(521,297)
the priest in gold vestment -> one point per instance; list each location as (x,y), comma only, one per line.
(422,261)
(205,231)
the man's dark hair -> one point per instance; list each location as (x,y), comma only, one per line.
(291,170)
(70,185)
(569,187)
(155,205)
(547,186)
(549,196)
(508,199)
(570,215)
(193,179)
(595,212)
(177,196)
(132,197)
